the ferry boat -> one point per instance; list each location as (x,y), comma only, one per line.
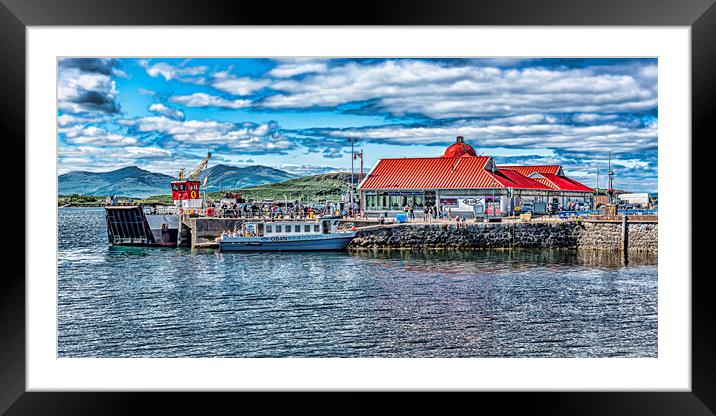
(136,225)
(316,235)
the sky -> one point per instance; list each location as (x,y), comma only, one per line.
(300,114)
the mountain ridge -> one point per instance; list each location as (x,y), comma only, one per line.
(133,181)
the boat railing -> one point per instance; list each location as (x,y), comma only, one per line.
(217,212)
(164,210)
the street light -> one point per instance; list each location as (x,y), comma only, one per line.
(350,193)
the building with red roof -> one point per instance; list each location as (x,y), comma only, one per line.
(465,184)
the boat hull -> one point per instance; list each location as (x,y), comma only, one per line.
(332,243)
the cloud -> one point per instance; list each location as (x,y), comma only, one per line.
(226,82)
(186,74)
(95,135)
(163,110)
(104,66)
(102,159)
(287,68)
(144,91)
(304,170)
(65,120)
(250,138)
(437,90)
(519,132)
(200,99)
(85,85)
(593,118)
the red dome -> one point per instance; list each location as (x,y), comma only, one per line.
(459,149)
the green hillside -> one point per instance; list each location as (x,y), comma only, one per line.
(325,187)
(315,188)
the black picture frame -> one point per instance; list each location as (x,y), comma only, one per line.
(16,15)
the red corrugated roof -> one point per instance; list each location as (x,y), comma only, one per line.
(561,183)
(528,170)
(444,173)
(514,179)
(431,173)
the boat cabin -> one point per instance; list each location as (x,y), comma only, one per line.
(288,228)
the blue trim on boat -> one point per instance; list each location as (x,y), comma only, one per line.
(319,242)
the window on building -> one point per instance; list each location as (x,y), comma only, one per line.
(371,201)
(395,201)
(383,201)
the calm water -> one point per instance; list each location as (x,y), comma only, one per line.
(151,302)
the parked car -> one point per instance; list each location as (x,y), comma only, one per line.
(581,206)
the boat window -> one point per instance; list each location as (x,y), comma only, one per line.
(297,228)
(316,228)
(268,228)
(307,228)
(288,228)
(278,228)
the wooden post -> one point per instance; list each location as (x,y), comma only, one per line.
(610,211)
(625,236)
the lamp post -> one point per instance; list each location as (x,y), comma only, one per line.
(360,179)
(610,174)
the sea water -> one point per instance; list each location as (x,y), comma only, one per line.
(164,302)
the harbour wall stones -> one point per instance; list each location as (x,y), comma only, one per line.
(639,236)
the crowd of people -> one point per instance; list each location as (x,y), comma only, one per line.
(275,211)
(431,213)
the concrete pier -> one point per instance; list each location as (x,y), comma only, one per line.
(202,232)
(617,234)
(612,235)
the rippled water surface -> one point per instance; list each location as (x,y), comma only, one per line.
(153,302)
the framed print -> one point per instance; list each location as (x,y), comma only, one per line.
(415,201)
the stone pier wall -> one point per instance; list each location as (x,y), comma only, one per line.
(640,236)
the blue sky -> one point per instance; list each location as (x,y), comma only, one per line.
(299,114)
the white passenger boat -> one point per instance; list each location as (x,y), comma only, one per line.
(315,235)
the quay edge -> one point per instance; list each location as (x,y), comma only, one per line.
(633,235)
(620,236)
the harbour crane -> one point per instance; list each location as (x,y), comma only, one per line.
(194,175)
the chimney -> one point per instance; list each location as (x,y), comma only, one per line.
(460,139)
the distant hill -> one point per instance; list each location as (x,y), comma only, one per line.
(231,177)
(129,181)
(136,182)
(327,186)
